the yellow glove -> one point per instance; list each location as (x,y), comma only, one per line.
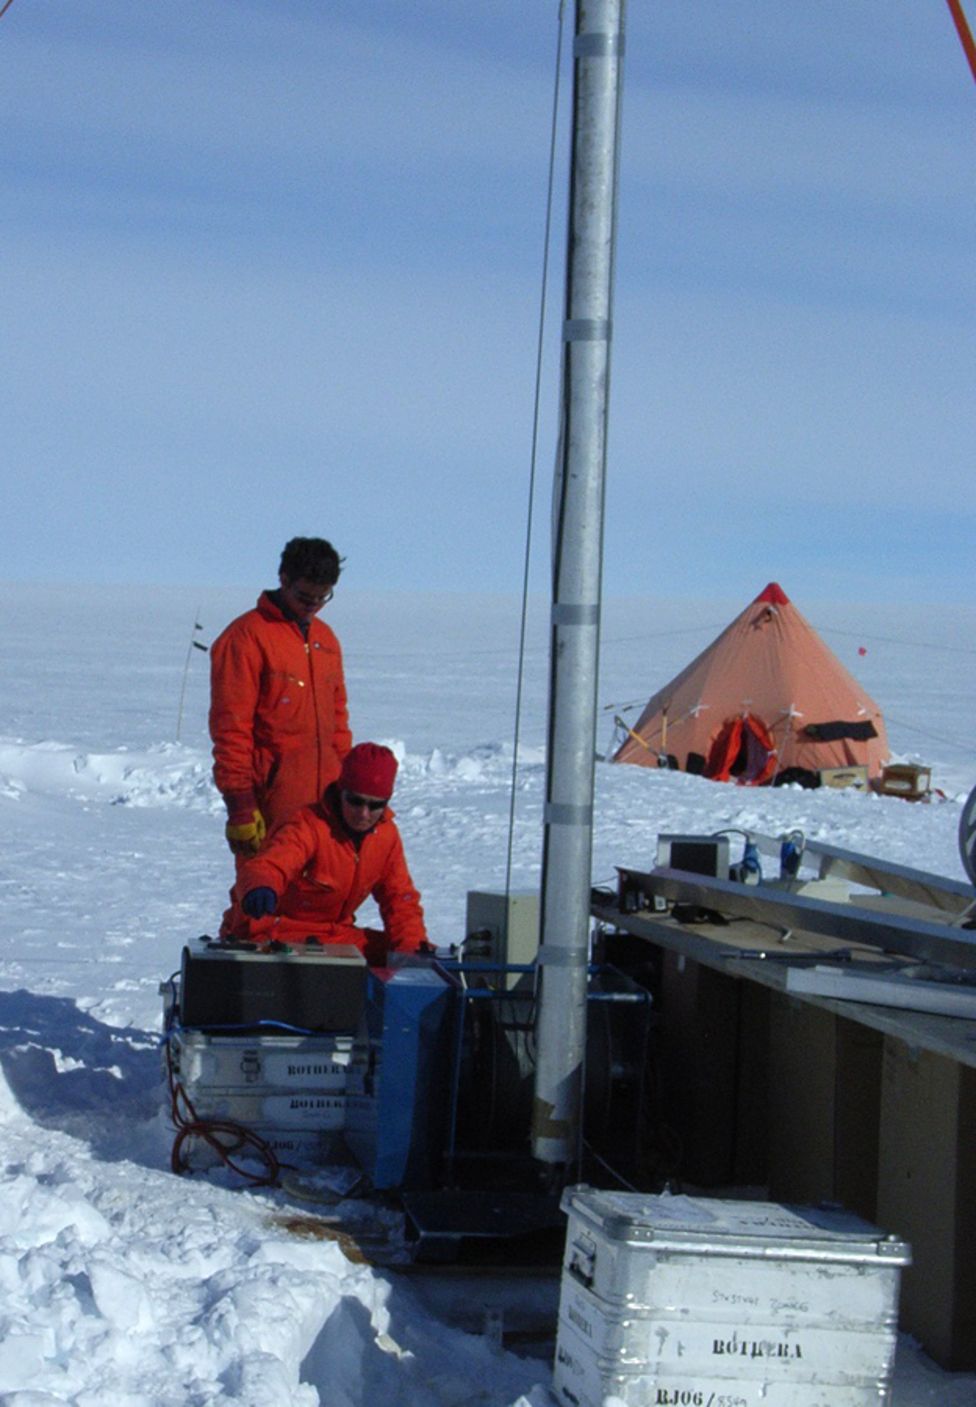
(246,832)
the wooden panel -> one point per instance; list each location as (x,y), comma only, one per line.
(699,1024)
(824,1106)
(802,1074)
(751,1134)
(927,1195)
(857,1117)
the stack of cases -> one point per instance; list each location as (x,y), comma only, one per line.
(290,1090)
(695,1302)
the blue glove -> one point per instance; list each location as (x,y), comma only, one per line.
(259,902)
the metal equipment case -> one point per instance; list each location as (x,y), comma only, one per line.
(681,1300)
(245,1064)
(314,1053)
(264,1038)
(288,1089)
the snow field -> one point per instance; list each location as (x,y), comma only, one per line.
(122,1284)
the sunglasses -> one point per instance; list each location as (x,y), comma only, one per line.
(307,599)
(351,799)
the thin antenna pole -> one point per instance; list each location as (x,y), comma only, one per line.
(193,645)
(533,458)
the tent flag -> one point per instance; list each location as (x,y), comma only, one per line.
(766,702)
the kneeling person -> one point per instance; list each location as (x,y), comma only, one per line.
(318,867)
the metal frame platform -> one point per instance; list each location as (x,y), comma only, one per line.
(839,1100)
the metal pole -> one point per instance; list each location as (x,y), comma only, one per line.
(575,621)
(186,670)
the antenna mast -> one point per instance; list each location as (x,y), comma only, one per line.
(577,564)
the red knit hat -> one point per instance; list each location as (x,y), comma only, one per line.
(369,769)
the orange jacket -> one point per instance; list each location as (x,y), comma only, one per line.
(321,877)
(278,715)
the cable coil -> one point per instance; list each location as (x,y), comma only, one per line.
(228,1139)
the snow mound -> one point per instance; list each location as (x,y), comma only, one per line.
(165,774)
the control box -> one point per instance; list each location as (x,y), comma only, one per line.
(501,930)
(698,854)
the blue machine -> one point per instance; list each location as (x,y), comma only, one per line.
(421,1072)
(400,1082)
(251,1060)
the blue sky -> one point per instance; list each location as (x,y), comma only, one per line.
(273,267)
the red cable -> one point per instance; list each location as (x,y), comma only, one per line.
(224,1136)
(964,32)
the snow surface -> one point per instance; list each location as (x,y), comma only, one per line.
(122,1284)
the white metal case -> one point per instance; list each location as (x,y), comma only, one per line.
(293,1147)
(679,1300)
(273,1109)
(244,1063)
(289,1090)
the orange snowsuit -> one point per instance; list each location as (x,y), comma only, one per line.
(278,715)
(321,876)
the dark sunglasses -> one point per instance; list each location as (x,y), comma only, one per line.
(351,799)
(307,599)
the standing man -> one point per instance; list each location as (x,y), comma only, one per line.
(278,715)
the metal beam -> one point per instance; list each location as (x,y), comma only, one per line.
(955,896)
(892,933)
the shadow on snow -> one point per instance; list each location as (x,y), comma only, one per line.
(70,1072)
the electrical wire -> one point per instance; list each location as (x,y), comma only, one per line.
(607,1167)
(533,458)
(228,1139)
(659,634)
(933,737)
(891,640)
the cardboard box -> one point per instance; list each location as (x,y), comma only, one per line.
(856,777)
(905,780)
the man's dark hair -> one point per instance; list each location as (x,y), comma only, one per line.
(312,558)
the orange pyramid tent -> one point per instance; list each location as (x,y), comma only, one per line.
(765,702)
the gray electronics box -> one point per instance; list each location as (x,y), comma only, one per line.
(501,929)
(226,986)
(677,1299)
(698,854)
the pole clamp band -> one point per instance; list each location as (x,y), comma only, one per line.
(561,814)
(587,330)
(598,45)
(575,615)
(551,956)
